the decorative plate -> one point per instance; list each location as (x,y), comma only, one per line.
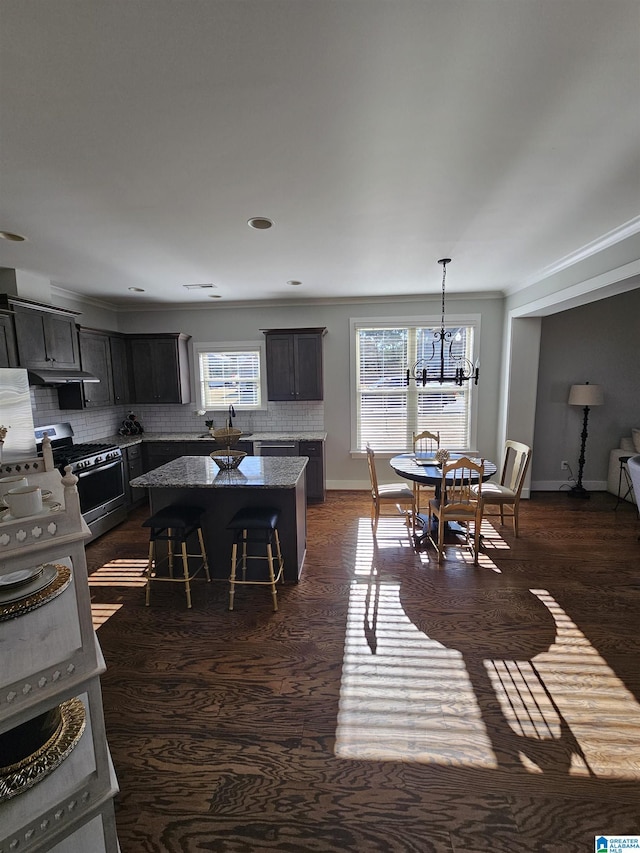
(25,774)
(33,594)
(19,578)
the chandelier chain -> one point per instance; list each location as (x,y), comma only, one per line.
(444,275)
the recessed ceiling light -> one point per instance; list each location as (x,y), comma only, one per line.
(261,223)
(294,283)
(137,289)
(14,238)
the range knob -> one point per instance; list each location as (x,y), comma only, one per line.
(97,460)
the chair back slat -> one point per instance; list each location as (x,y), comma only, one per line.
(515,464)
(457,478)
(426,442)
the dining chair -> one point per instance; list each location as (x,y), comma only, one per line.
(424,442)
(400,496)
(506,494)
(457,502)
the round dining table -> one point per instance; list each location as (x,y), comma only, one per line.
(422,468)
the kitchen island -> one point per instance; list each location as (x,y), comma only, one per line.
(277,482)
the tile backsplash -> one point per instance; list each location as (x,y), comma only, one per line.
(94,424)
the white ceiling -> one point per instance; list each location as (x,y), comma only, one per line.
(139,136)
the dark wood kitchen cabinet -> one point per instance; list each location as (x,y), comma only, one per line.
(133,467)
(157,453)
(204,448)
(159,366)
(8,351)
(294,364)
(199,448)
(315,469)
(46,337)
(119,370)
(95,358)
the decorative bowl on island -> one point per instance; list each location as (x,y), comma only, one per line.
(226,460)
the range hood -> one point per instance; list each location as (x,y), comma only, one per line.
(59,376)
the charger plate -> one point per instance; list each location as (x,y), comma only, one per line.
(51,582)
(19,777)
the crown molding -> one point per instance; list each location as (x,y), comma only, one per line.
(606,241)
(74,296)
(303,303)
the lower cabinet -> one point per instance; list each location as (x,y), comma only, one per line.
(315,469)
(200,448)
(134,467)
(204,448)
(157,453)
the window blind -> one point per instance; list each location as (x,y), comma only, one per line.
(388,410)
(230,378)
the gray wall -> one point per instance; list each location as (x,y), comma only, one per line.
(244,323)
(598,343)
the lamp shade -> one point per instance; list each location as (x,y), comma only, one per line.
(586,395)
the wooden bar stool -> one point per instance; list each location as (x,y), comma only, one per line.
(255,525)
(173,525)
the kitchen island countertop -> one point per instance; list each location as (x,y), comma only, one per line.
(201,472)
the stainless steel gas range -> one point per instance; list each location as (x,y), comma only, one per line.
(100,472)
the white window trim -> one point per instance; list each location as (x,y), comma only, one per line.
(424,321)
(230,346)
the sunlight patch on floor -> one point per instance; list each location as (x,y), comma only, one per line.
(119,573)
(100,613)
(401,692)
(407,697)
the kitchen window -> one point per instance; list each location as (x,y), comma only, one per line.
(231,374)
(387,410)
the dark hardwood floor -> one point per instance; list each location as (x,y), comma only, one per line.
(391,704)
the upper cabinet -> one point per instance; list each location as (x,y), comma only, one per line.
(119,370)
(8,352)
(294,363)
(46,337)
(159,366)
(95,358)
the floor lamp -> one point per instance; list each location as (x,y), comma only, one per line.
(586,396)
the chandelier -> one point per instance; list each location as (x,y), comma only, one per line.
(432,369)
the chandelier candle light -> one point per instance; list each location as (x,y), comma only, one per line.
(464,370)
(584,395)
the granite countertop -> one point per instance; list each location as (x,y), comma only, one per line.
(201,472)
(129,440)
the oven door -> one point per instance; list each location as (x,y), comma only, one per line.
(101,489)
